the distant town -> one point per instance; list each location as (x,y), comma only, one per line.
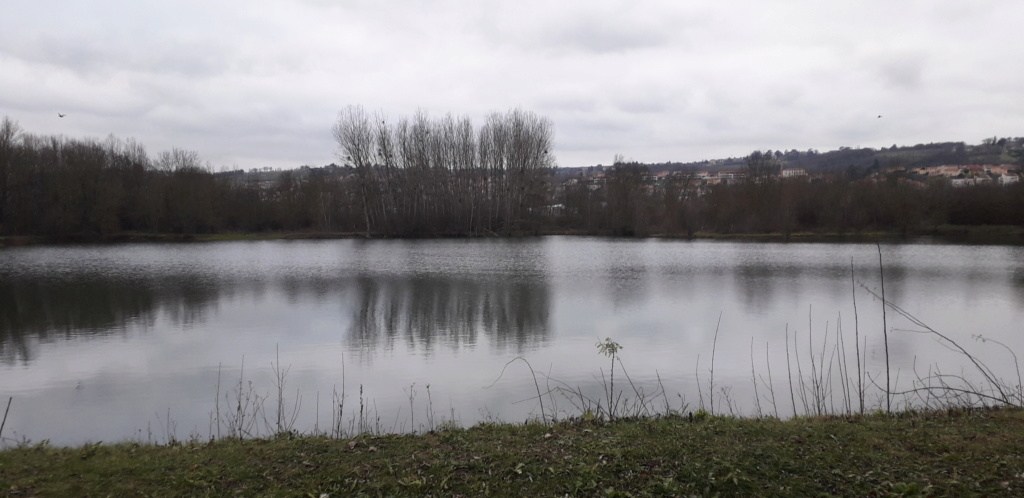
(998,162)
(902,164)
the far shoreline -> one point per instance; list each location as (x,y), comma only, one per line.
(953,234)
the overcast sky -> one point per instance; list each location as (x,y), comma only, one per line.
(260,83)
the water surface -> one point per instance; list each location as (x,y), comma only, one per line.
(136,341)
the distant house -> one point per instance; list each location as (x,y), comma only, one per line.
(793,172)
(969,181)
(730,177)
(946,171)
(1002,169)
(1007,179)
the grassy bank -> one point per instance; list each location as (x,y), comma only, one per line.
(952,453)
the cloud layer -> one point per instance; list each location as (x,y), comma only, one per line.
(259,83)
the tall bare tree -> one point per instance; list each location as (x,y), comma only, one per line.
(762,166)
(9,131)
(354,136)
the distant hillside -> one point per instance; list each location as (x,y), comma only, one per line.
(861,161)
(856,162)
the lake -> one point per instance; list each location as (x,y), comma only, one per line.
(154,342)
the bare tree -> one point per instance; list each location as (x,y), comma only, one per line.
(626,197)
(176,159)
(354,136)
(515,151)
(762,166)
(9,131)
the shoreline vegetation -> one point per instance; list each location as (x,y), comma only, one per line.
(1000,234)
(421,177)
(952,452)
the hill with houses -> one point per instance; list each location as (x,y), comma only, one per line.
(996,156)
(995,160)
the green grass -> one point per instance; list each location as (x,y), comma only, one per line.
(947,453)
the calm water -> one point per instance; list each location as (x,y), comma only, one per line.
(120,342)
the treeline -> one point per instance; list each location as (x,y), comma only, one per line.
(763,202)
(416,177)
(55,186)
(442,177)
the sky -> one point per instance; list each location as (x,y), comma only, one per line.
(260,83)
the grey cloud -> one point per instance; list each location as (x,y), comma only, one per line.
(567,103)
(106,57)
(903,71)
(598,37)
(601,28)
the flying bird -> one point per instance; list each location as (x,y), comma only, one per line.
(59,115)
(879,115)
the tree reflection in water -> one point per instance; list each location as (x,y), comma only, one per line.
(92,306)
(419,311)
(425,311)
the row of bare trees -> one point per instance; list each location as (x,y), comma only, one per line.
(422,176)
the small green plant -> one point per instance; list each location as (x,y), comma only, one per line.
(610,349)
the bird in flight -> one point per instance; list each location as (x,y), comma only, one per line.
(59,115)
(879,115)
